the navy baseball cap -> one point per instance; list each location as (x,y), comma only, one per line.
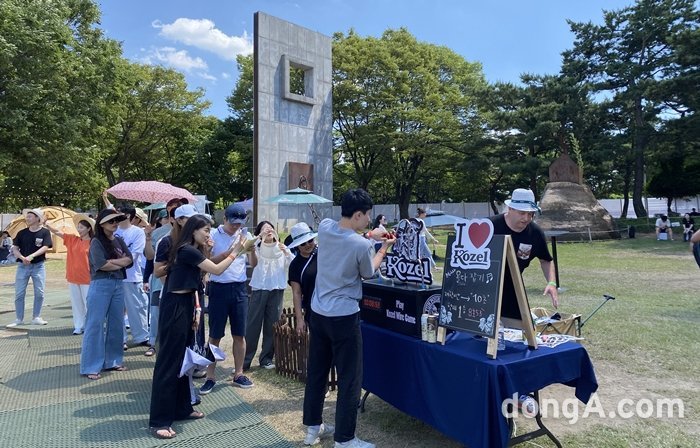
(235,214)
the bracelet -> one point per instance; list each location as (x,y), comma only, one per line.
(198,310)
(234,255)
(552,283)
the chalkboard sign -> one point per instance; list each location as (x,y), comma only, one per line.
(471,296)
(476,264)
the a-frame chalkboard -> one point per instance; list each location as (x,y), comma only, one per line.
(476,263)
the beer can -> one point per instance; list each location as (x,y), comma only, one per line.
(432,328)
(424,327)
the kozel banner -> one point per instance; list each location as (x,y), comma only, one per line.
(404,262)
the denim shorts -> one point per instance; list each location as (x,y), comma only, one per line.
(227,301)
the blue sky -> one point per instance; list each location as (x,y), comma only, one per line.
(201,38)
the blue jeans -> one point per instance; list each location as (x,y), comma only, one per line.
(37,272)
(102,347)
(155,315)
(425,251)
(136,303)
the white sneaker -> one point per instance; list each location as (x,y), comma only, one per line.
(314,434)
(38,321)
(14,324)
(354,443)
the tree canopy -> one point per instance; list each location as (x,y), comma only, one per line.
(412,121)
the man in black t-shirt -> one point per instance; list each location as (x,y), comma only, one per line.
(29,247)
(528,240)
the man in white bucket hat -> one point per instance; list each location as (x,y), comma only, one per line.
(528,239)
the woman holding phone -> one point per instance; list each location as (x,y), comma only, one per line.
(270,261)
(179,316)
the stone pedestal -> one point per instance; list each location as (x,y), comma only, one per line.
(572,207)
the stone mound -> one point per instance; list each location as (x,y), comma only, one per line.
(572,207)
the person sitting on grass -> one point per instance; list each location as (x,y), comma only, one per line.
(688,227)
(663,226)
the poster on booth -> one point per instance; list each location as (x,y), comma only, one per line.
(476,263)
(404,262)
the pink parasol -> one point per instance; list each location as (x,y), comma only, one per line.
(149,191)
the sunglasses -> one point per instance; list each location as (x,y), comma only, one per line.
(112,221)
(311,241)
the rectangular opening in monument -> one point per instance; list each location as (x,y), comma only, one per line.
(297,80)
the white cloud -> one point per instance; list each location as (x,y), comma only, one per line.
(203,34)
(206,76)
(225,75)
(177,59)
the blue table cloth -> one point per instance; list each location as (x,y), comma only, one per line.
(458,390)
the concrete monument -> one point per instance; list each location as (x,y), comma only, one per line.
(293,121)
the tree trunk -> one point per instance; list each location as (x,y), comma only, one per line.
(669,203)
(533,175)
(626,186)
(639,145)
(404,199)
(492,196)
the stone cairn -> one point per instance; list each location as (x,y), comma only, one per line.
(569,205)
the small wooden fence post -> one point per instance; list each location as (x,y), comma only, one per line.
(292,350)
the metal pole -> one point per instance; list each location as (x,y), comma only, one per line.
(556,262)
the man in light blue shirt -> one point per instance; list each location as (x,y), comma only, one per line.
(228,296)
(344,259)
(135,299)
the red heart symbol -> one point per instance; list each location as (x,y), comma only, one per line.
(479,233)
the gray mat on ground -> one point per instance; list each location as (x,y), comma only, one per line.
(45,402)
(122,420)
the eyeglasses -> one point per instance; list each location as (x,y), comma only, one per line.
(307,242)
(112,221)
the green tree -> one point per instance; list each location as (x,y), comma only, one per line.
(237,133)
(156,118)
(55,77)
(677,171)
(626,58)
(397,103)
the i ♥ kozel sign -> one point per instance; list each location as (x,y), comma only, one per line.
(477,265)
(469,250)
(404,262)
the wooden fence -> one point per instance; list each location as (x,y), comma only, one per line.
(292,350)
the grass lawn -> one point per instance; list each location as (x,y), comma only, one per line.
(643,345)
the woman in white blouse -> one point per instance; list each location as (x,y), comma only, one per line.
(270,261)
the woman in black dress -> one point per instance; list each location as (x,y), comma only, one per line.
(179,315)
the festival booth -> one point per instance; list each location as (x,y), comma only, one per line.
(59,217)
(433,352)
